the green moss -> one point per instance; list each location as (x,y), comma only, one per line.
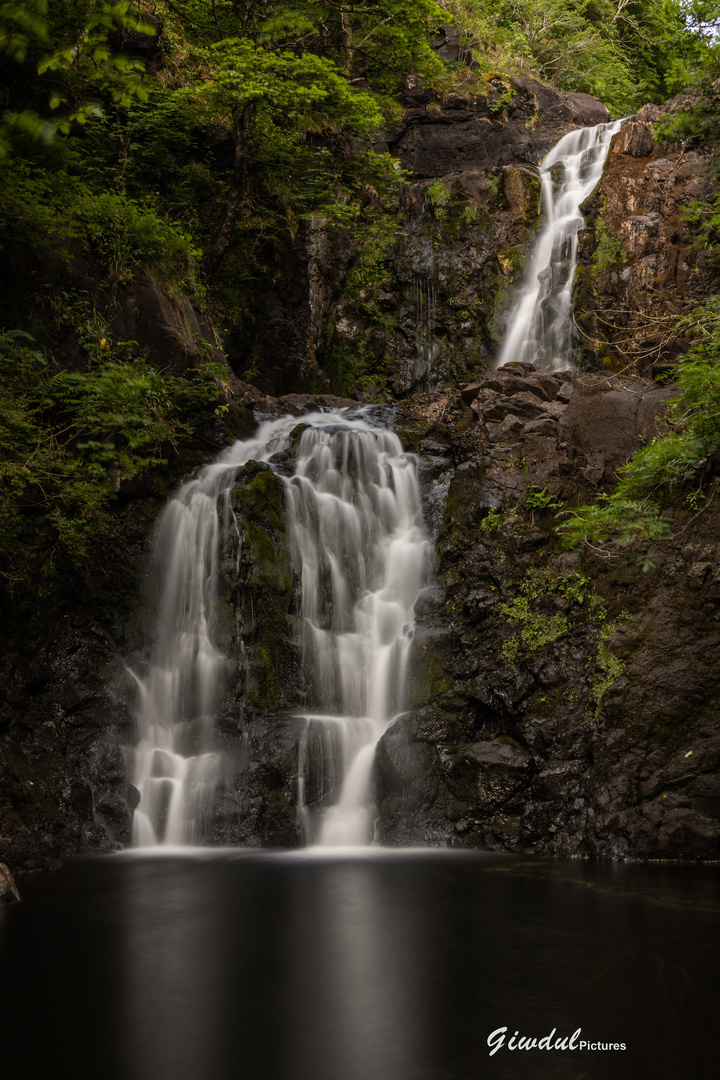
(430,679)
(534,629)
(613,668)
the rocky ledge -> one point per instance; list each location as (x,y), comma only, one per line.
(562,702)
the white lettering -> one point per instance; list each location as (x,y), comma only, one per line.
(496,1039)
(545,1043)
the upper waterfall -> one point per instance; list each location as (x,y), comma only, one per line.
(540,324)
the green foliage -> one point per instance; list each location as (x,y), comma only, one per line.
(634,511)
(574,587)
(491,521)
(609,250)
(47,209)
(696,117)
(498,103)
(68,439)
(625,51)
(437,194)
(118,234)
(34,206)
(533,628)
(73,62)
(705,216)
(537,499)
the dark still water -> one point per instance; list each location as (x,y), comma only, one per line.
(375,966)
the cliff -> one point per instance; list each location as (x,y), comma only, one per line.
(561,703)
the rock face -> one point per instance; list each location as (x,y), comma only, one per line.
(562,703)
(642,267)
(422,301)
(516,121)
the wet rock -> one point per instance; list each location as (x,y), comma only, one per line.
(9,893)
(531,738)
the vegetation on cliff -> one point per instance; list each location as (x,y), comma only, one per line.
(193,141)
(674,469)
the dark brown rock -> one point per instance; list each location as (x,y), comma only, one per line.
(578,708)
(641,267)
(9,893)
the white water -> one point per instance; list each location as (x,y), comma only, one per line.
(358,542)
(359,547)
(362,556)
(540,326)
(175,765)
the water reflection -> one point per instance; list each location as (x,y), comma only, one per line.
(380,966)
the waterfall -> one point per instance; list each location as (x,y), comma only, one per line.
(175,765)
(540,326)
(361,556)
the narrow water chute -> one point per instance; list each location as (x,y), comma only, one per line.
(540,325)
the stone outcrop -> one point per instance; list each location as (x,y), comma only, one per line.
(515,121)
(422,302)
(8,889)
(563,702)
(641,265)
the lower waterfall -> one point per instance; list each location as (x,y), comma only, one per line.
(358,542)
(361,556)
(175,765)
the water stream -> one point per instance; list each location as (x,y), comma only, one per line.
(175,765)
(361,557)
(358,542)
(540,324)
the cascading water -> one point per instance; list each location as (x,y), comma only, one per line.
(175,765)
(362,557)
(427,347)
(540,326)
